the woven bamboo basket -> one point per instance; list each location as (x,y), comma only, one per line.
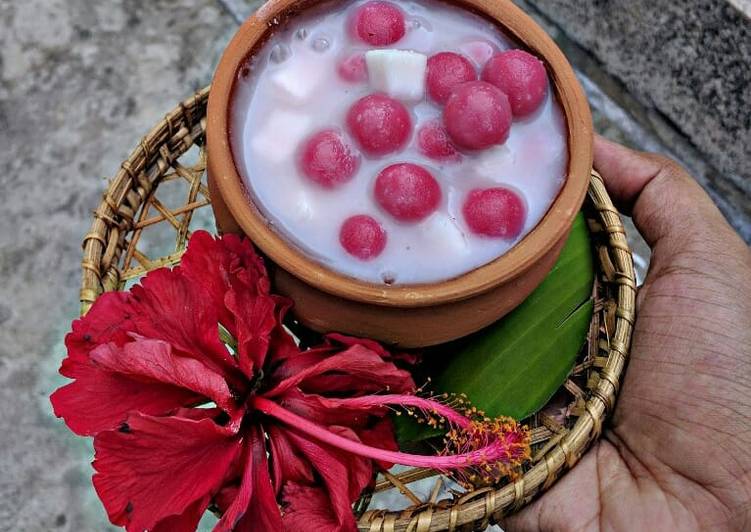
(172,152)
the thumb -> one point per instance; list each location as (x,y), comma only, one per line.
(665,201)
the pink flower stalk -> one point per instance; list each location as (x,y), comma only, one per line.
(271,436)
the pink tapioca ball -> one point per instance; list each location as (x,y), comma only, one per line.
(353,68)
(446,70)
(495,212)
(328,159)
(435,143)
(477,115)
(362,237)
(521,76)
(378,23)
(407,192)
(379,124)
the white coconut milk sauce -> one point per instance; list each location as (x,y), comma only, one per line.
(290,90)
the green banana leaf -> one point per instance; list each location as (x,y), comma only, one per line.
(514,366)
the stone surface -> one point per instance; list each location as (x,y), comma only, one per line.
(686,71)
(80,82)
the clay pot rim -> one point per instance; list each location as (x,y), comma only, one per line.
(551,229)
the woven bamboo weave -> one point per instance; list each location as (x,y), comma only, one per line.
(113,255)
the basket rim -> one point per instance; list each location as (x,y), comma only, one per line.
(182,128)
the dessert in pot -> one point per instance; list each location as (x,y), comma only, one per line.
(399,143)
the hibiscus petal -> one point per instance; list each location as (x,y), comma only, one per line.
(216,264)
(242,495)
(410,358)
(297,360)
(108,320)
(244,264)
(154,468)
(254,503)
(262,513)
(345,475)
(197,414)
(204,264)
(101,400)
(226,495)
(255,320)
(155,360)
(173,309)
(382,436)
(357,370)
(286,464)
(234,278)
(186,521)
(320,410)
(309,508)
(283,345)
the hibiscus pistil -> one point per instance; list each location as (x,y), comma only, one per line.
(509,446)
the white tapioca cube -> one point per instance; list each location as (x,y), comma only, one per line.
(296,86)
(398,73)
(280,135)
(495,164)
(301,205)
(442,233)
(296,202)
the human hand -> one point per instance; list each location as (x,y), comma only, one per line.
(677,454)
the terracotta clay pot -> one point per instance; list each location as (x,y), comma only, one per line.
(406,315)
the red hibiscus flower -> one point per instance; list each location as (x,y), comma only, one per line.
(198,397)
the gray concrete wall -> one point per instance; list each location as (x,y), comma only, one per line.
(682,69)
(80,82)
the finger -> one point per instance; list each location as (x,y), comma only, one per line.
(626,172)
(663,198)
(569,504)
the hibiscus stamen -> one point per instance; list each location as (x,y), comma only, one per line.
(483,432)
(500,447)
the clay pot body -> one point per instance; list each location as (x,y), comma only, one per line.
(404,315)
